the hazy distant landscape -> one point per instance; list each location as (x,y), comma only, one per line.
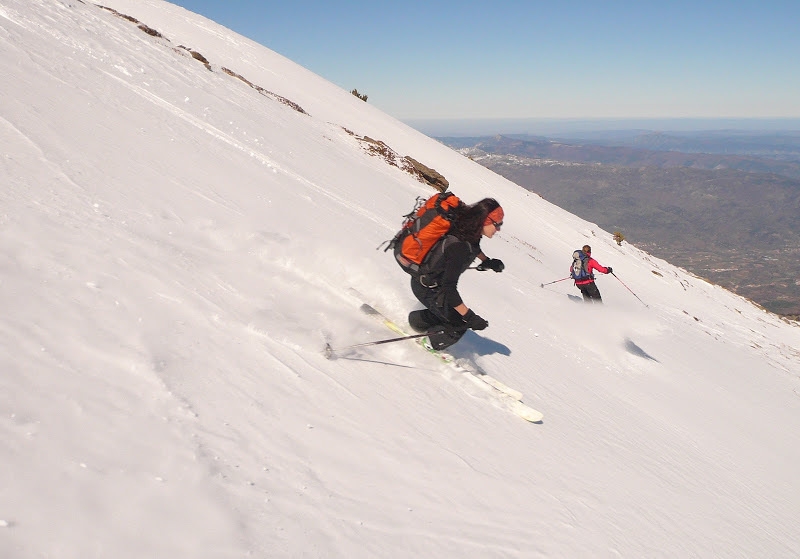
(725,205)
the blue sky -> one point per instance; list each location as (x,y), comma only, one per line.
(532,59)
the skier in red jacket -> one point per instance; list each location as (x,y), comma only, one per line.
(585,280)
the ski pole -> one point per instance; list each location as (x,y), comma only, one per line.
(548,283)
(329,351)
(629,289)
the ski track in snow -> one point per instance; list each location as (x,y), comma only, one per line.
(4,15)
(227,139)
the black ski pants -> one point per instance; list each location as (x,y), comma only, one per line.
(435,315)
(590,292)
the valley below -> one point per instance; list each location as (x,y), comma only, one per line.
(735,228)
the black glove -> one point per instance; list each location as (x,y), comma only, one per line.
(610,271)
(491,264)
(473,321)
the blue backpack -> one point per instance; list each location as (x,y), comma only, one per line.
(580,263)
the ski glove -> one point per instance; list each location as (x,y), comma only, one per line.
(491,264)
(473,321)
(610,271)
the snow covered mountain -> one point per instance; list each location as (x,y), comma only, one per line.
(183,213)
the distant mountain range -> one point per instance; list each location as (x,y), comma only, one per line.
(782,146)
(729,217)
(779,154)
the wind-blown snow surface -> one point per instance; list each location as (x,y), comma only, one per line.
(176,247)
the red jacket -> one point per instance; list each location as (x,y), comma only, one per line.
(590,267)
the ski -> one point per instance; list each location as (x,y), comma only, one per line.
(509,397)
(445,357)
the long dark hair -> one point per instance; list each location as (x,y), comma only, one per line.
(468,225)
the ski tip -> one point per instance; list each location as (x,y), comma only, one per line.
(532,416)
(541,285)
(328,351)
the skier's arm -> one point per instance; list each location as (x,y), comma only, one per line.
(595,265)
(456,259)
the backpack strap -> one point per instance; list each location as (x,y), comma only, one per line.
(431,268)
(447,213)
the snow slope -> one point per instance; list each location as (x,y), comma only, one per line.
(176,246)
